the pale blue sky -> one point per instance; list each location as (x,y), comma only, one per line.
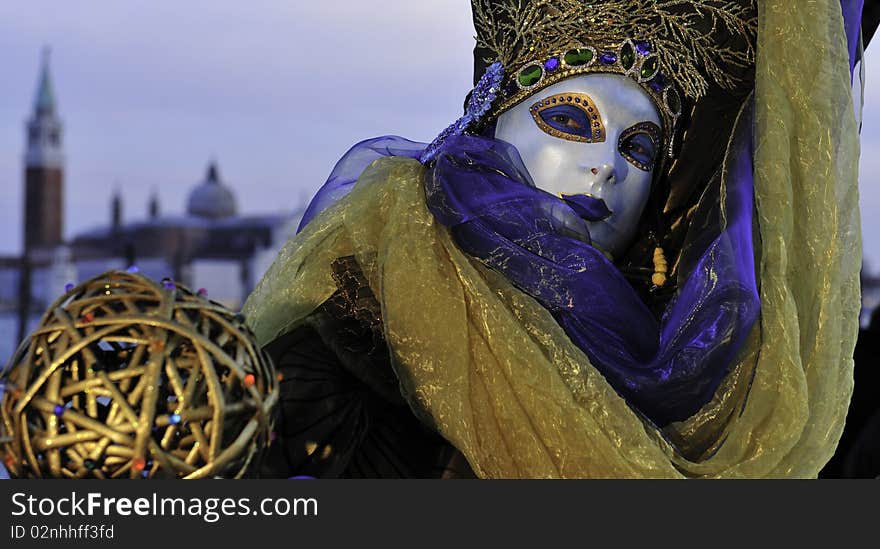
(275,90)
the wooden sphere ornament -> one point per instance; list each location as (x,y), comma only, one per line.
(126,377)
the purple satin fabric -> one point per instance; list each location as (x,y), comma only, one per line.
(668,369)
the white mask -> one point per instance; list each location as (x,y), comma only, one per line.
(609,169)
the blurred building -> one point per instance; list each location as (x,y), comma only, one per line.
(211,246)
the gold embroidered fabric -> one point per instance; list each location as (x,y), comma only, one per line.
(355,296)
(491,370)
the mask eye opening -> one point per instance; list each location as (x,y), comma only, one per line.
(639,161)
(577,106)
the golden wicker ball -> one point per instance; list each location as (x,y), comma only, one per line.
(126,377)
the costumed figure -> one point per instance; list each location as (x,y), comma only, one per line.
(635,255)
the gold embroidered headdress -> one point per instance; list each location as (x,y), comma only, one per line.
(674,49)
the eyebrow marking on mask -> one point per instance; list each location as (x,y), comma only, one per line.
(596,132)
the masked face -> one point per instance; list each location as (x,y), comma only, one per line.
(596,135)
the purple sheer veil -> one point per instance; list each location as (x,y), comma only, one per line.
(350,167)
(668,369)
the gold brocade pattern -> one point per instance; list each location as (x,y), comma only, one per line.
(491,370)
(355,295)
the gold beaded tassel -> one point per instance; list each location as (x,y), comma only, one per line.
(660,268)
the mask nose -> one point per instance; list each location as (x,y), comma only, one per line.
(601,176)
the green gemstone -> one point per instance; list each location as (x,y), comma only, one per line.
(627,56)
(673,101)
(530,76)
(650,67)
(578,57)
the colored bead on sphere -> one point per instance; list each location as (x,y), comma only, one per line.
(138,464)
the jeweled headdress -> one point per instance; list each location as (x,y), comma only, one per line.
(673,48)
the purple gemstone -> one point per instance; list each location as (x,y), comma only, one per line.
(608,58)
(58,410)
(659,83)
(644,48)
(551,64)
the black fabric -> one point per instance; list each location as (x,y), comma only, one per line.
(858,453)
(341,414)
(870,20)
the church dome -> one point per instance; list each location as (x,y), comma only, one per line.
(211,198)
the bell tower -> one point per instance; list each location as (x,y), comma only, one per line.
(44,169)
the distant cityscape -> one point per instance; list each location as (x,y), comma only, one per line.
(212,246)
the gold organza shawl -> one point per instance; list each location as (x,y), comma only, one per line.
(492,371)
